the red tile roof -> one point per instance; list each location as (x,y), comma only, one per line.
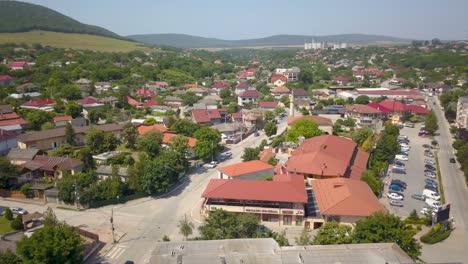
(321,121)
(88,101)
(363,109)
(11,122)
(416,109)
(5,77)
(237,115)
(266,154)
(328,156)
(167,139)
(133,102)
(62,118)
(150,103)
(220,85)
(391,92)
(344,197)
(341,79)
(300,92)
(276,77)
(18,64)
(394,105)
(280,90)
(202,116)
(283,188)
(144,92)
(252,70)
(268,104)
(38,103)
(249,93)
(145,129)
(242,168)
(378,107)
(242,85)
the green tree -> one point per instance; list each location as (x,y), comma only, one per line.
(368,144)
(70,92)
(205,149)
(362,99)
(304,239)
(185,227)
(149,121)
(386,148)
(333,233)
(150,143)
(9,257)
(95,115)
(36,118)
(272,161)
(52,244)
(7,170)
(374,182)
(47,126)
(26,190)
(109,142)
(130,135)
(69,134)
(50,219)
(431,123)
(381,228)
(208,134)
(73,109)
(270,129)
(8,214)
(184,127)
(160,173)
(269,116)
(306,76)
(86,157)
(305,128)
(360,136)
(94,140)
(250,154)
(226,225)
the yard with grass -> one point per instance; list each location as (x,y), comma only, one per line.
(4,226)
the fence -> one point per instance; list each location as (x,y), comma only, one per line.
(12,194)
(85,233)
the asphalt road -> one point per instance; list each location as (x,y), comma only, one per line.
(453,249)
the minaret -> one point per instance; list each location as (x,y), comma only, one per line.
(291,105)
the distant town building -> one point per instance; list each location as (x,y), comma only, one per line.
(324,45)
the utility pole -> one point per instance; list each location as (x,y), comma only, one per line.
(112,225)
(212,151)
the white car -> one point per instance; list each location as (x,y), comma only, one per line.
(18,210)
(402,137)
(427,210)
(431,195)
(211,164)
(401,157)
(394,196)
(433,203)
(430,162)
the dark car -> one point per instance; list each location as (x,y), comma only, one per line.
(432,188)
(395,187)
(418,197)
(429,167)
(426,146)
(399,182)
(399,163)
(399,185)
(398,171)
(430,181)
(452,160)
(434,142)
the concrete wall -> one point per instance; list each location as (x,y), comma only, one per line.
(6,145)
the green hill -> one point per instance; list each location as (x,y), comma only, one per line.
(23,17)
(188,41)
(71,41)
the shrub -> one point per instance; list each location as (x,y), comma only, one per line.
(8,214)
(419,228)
(435,235)
(17,223)
(166,238)
(26,190)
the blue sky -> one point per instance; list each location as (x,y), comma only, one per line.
(241,19)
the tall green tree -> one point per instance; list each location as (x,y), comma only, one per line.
(160,173)
(36,118)
(374,182)
(250,154)
(185,127)
(130,135)
(73,109)
(69,134)
(9,257)
(362,99)
(7,170)
(150,143)
(270,129)
(431,123)
(305,128)
(362,135)
(333,233)
(226,225)
(52,244)
(94,140)
(381,228)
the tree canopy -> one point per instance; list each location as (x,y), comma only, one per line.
(305,128)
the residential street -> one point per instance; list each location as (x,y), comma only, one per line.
(454,248)
(140,223)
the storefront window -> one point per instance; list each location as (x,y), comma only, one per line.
(299,220)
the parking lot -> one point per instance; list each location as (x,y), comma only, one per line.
(414,176)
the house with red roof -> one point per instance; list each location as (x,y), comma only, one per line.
(220,86)
(44,104)
(278,79)
(280,201)
(270,106)
(300,94)
(9,120)
(340,80)
(6,80)
(143,129)
(60,121)
(249,170)
(397,111)
(149,103)
(205,116)
(328,156)
(280,91)
(90,102)
(145,93)
(366,116)
(19,65)
(242,87)
(248,97)
(133,102)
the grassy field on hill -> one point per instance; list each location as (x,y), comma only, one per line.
(72,41)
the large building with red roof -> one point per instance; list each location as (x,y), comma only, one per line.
(398,112)
(328,156)
(366,116)
(249,170)
(280,201)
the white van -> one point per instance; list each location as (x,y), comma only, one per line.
(433,203)
(401,157)
(431,194)
(402,137)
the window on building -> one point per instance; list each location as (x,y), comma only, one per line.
(287,220)
(299,220)
(269,218)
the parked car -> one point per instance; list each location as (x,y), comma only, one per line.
(400,166)
(394,196)
(434,143)
(397,192)
(452,160)
(399,181)
(406,153)
(427,210)
(399,171)
(431,194)
(395,187)
(426,146)
(403,187)
(211,164)
(399,163)
(430,180)
(418,197)
(401,157)
(428,154)
(429,161)
(430,187)
(2,210)
(396,203)
(227,153)
(433,203)
(407,124)
(423,133)
(402,137)
(404,148)
(429,167)
(18,210)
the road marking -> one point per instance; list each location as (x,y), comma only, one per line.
(116,252)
